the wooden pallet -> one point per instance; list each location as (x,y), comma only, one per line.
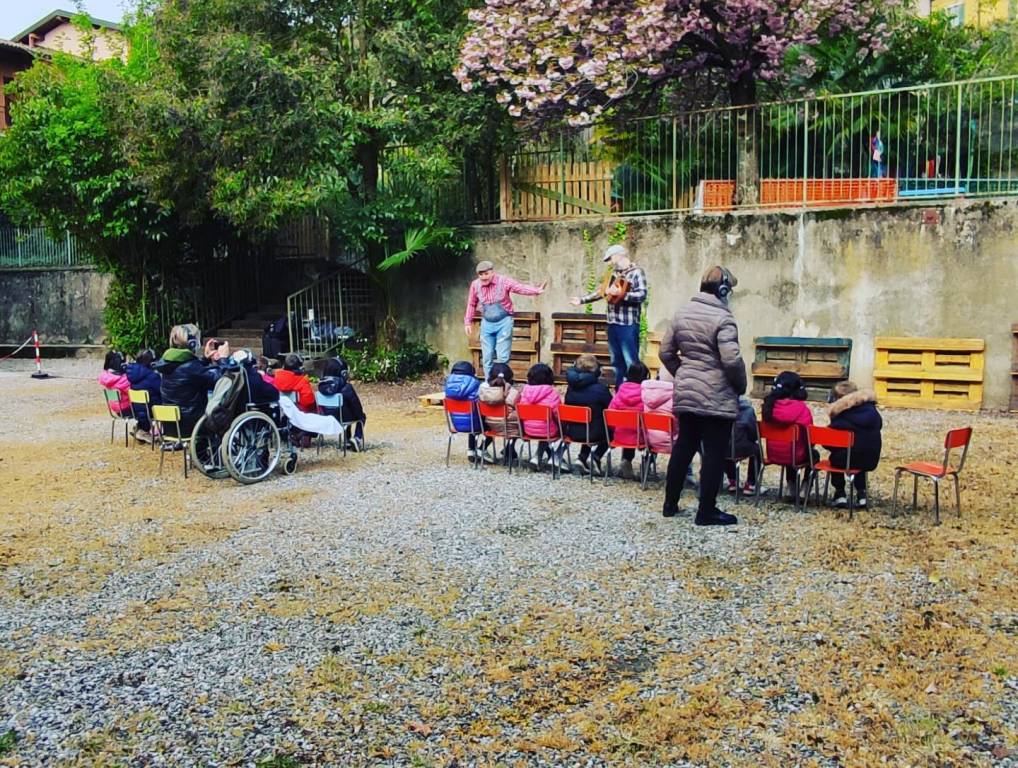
(577,334)
(821,362)
(526,347)
(432,400)
(929,373)
(1014,368)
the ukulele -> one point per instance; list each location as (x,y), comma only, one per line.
(614,280)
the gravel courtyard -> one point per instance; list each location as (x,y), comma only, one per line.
(384,610)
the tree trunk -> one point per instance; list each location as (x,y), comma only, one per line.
(747,169)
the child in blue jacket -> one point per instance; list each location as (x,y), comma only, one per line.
(463,384)
(142,377)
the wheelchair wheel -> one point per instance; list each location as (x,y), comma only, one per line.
(251,447)
(290,465)
(205,454)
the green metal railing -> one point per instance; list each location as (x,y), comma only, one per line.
(927,142)
(326,314)
(33,248)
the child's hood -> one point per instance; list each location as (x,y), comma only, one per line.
(657,394)
(789,411)
(540,394)
(629,396)
(112,380)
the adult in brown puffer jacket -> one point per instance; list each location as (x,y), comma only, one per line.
(701,349)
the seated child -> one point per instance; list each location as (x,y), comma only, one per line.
(262,364)
(499,389)
(658,397)
(855,409)
(113,377)
(291,378)
(336,381)
(143,378)
(462,384)
(747,443)
(540,390)
(629,397)
(584,388)
(784,406)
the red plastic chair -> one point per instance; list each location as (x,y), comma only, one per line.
(582,416)
(956,439)
(458,408)
(629,420)
(789,434)
(831,438)
(545,413)
(498,412)
(657,422)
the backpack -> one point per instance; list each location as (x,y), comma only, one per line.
(226,400)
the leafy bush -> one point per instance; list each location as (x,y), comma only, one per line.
(406,361)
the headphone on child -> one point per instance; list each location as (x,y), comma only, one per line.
(193,342)
(724,289)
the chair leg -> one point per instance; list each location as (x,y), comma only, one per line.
(162,457)
(915,494)
(827,490)
(608,470)
(957,494)
(936,502)
(113,429)
(894,499)
(850,482)
(644,469)
(448,452)
(186,454)
(759,479)
(126,425)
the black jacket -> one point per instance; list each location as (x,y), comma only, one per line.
(352,408)
(142,377)
(857,412)
(585,388)
(261,392)
(747,441)
(186,383)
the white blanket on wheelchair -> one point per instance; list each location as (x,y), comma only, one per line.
(309,422)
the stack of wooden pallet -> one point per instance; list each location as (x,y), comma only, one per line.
(820,362)
(929,373)
(526,347)
(577,334)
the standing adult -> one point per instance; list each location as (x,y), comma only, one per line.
(625,290)
(701,349)
(492,293)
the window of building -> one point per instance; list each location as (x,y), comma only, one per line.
(957,14)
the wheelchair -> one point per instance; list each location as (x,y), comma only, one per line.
(239,438)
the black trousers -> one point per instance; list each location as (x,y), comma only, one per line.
(839,458)
(710,433)
(599,451)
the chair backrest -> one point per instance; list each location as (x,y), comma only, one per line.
(536,412)
(631,420)
(660,422)
(830,437)
(957,438)
(139,402)
(576,414)
(493,410)
(169,414)
(329,401)
(113,399)
(778,433)
(459,408)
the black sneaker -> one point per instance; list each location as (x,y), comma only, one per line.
(717,517)
(860,502)
(583,461)
(670,510)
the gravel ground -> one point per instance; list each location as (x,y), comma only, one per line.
(384,610)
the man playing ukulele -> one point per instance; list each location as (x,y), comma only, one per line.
(625,291)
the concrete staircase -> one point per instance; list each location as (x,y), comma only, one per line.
(247,330)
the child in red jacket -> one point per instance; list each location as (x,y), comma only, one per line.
(291,378)
(785,405)
(629,397)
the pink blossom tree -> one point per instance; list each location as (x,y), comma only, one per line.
(570,60)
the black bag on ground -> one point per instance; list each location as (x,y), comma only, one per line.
(276,338)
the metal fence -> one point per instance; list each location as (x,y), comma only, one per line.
(326,314)
(927,142)
(33,248)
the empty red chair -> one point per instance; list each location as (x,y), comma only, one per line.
(957,439)
(831,438)
(660,423)
(628,421)
(546,416)
(458,407)
(787,434)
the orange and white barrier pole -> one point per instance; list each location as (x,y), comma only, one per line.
(38,359)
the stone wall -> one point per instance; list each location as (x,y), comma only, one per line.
(65,305)
(902,271)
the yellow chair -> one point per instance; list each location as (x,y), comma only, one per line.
(163,416)
(141,404)
(113,399)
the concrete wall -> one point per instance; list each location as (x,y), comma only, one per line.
(65,305)
(903,271)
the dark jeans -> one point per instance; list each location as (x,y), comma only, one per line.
(624,344)
(839,457)
(752,468)
(711,436)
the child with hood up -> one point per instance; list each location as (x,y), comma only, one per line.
(462,384)
(629,397)
(584,388)
(114,377)
(540,390)
(785,405)
(143,378)
(855,410)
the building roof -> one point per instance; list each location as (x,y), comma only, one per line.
(55,19)
(18,48)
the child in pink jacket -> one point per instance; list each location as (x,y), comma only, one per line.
(114,377)
(784,406)
(540,390)
(629,397)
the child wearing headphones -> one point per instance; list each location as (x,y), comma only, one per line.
(291,378)
(785,405)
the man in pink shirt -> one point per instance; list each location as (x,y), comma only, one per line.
(492,295)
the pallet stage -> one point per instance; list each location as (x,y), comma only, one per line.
(929,373)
